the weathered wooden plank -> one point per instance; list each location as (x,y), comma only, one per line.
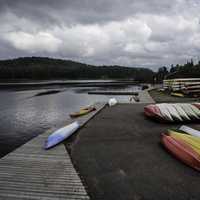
(30,172)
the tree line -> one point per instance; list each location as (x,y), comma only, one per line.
(187,70)
(48,68)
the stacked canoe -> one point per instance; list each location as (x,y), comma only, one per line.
(173,112)
(187,86)
(184,144)
(180,83)
(191,88)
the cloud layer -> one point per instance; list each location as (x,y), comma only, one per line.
(132,33)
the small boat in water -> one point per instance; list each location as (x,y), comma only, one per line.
(61,134)
(83,111)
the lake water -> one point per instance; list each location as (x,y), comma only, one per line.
(24,116)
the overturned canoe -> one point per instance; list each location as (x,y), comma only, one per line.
(153,111)
(176,112)
(182,151)
(192,141)
(82,112)
(196,105)
(165,111)
(60,135)
(195,109)
(181,112)
(188,109)
(190,131)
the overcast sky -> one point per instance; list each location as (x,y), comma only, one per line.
(143,33)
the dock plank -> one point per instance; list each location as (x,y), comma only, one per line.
(30,172)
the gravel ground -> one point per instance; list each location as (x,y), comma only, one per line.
(165,97)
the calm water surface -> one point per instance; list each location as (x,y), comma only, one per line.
(24,116)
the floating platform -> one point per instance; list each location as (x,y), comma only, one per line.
(100,92)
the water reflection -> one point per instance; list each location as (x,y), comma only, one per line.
(24,115)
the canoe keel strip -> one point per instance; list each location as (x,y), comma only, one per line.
(173,112)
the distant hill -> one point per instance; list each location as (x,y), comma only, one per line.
(48,68)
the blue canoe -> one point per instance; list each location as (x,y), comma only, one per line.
(60,135)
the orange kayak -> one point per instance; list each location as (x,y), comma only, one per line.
(83,111)
(182,151)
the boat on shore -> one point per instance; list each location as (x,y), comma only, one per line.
(176,94)
(181,150)
(173,112)
(60,135)
(83,111)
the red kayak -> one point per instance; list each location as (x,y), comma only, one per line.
(152,111)
(197,105)
(182,151)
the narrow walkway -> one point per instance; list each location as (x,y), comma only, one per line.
(30,172)
(145,97)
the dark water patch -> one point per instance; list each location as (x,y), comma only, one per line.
(48,92)
(23,118)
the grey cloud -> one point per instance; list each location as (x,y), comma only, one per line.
(84,11)
(135,33)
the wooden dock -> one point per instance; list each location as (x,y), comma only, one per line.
(30,172)
(145,97)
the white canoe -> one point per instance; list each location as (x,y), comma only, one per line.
(190,131)
(181,112)
(174,113)
(189,111)
(195,109)
(164,112)
(60,135)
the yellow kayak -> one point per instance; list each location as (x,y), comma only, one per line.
(193,141)
(176,94)
(83,111)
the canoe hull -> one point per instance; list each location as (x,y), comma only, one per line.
(152,111)
(60,135)
(175,112)
(190,131)
(182,151)
(82,112)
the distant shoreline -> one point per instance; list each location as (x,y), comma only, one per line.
(66,83)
